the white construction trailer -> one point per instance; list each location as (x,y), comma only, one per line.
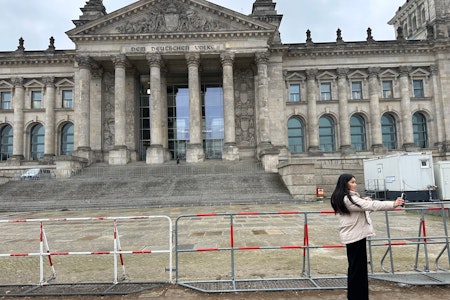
(411,173)
(442,178)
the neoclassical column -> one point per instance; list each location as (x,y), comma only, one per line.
(262,104)
(164,109)
(438,133)
(344,120)
(156,152)
(49,102)
(18,104)
(230,151)
(97,113)
(195,152)
(375,117)
(120,64)
(405,104)
(155,99)
(82,103)
(313,123)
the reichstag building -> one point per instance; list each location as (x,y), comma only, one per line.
(159,80)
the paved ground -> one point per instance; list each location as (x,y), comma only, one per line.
(263,230)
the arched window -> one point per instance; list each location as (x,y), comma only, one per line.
(358,133)
(67,139)
(326,134)
(389,132)
(37,142)
(296,135)
(6,140)
(419,123)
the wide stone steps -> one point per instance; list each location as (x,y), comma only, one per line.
(133,186)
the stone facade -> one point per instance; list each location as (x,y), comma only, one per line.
(284,104)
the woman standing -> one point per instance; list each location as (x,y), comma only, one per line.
(355,226)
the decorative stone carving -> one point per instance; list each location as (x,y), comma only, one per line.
(108,123)
(245,108)
(17,81)
(49,81)
(83,61)
(173,16)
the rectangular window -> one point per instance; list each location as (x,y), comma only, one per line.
(67,98)
(388,91)
(418,88)
(356,90)
(294,92)
(325,91)
(36,99)
(5,98)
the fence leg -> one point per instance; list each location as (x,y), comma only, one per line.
(446,247)
(233,275)
(306,258)
(422,233)
(122,263)
(50,260)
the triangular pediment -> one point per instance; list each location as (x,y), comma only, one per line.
(5,85)
(420,73)
(170,17)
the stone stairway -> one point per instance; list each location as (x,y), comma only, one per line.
(139,185)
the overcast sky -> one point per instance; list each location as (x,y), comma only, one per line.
(37,20)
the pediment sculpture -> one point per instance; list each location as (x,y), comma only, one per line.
(174,17)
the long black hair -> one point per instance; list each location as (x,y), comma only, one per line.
(341,190)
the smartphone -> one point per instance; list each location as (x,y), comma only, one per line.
(403,196)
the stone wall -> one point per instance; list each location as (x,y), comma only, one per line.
(303,176)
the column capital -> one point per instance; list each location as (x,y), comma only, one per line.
(193,59)
(262,57)
(434,69)
(120,61)
(342,73)
(373,72)
(405,70)
(17,81)
(84,61)
(227,58)
(49,81)
(154,60)
(311,74)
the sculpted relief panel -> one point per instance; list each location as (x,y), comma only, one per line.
(108,120)
(245,108)
(172,17)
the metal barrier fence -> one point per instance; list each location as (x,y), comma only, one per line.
(428,244)
(71,237)
(226,252)
(312,251)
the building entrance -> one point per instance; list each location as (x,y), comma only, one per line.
(178,120)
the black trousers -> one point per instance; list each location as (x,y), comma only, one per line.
(357,280)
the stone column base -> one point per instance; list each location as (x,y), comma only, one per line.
(347,150)
(156,155)
(410,147)
(230,152)
(315,151)
(269,158)
(84,152)
(119,157)
(379,149)
(195,153)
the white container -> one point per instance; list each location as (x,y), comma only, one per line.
(442,177)
(411,173)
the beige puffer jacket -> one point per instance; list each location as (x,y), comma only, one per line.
(358,225)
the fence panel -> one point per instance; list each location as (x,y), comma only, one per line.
(73,250)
